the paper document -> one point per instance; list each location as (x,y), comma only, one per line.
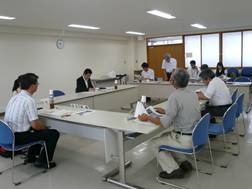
(140,109)
(152,112)
(59,113)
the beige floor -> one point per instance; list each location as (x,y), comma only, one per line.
(81,166)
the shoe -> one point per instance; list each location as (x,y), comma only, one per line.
(186,166)
(39,164)
(212,136)
(178,173)
(29,160)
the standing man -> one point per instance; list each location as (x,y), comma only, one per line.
(22,116)
(84,83)
(193,71)
(147,73)
(180,116)
(168,65)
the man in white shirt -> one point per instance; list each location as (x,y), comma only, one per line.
(217,93)
(22,116)
(193,71)
(147,73)
(168,65)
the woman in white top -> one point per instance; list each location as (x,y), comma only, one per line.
(16,86)
(147,73)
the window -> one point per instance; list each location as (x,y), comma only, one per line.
(192,50)
(247,46)
(210,49)
(165,41)
(232,49)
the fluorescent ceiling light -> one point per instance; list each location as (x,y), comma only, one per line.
(83,27)
(134,33)
(198,26)
(7,18)
(161,14)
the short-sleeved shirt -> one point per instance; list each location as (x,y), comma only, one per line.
(194,73)
(21,111)
(149,74)
(169,66)
(218,93)
(183,110)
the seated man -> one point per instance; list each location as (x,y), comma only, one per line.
(147,73)
(193,71)
(180,116)
(217,93)
(22,115)
(84,83)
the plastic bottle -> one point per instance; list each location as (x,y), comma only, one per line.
(143,101)
(51,99)
(116,82)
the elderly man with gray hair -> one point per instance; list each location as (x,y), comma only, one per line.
(180,116)
(169,64)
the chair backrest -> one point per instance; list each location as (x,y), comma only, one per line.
(242,79)
(200,131)
(58,93)
(229,118)
(232,72)
(246,71)
(234,95)
(6,134)
(239,101)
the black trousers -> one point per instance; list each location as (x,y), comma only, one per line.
(215,111)
(168,75)
(50,136)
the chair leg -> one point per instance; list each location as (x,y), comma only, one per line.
(211,156)
(23,180)
(244,125)
(169,184)
(46,153)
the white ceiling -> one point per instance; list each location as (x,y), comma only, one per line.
(114,17)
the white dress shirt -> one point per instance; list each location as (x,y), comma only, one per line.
(169,66)
(21,111)
(149,74)
(194,73)
(218,93)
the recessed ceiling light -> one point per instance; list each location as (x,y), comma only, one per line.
(134,33)
(7,18)
(161,14)
(83,27)
(198,26)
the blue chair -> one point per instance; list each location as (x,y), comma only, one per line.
(58,93)
(7,142)
(234,95)
(227,126)
(239,102)
(242,79)
(231,79)
(232,72)
(199,139)
(247,72)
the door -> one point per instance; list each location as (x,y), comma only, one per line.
(155,56)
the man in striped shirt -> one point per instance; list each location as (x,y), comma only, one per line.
(22,115)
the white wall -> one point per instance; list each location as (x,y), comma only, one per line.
(141,53)
(58,69)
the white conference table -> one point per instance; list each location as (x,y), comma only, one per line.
(101,125)
(109,99)
(163,89)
